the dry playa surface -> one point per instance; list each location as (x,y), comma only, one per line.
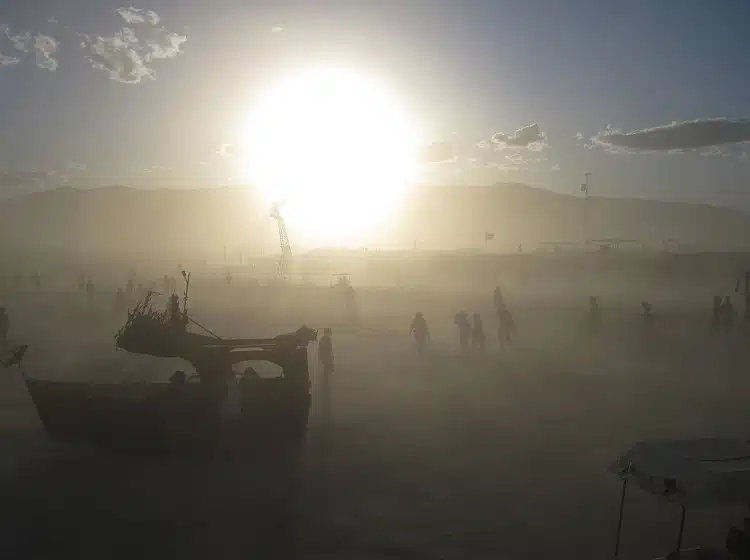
(500,455)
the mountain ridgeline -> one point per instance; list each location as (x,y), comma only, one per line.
(118,220)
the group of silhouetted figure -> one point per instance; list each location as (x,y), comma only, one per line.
(471,333)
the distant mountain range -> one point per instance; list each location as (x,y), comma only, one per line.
(201,221)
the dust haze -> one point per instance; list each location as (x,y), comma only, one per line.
(450,454)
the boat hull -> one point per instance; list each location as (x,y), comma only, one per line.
(161,418)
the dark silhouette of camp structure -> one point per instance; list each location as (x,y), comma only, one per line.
(188,414)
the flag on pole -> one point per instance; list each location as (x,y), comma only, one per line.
(488,236)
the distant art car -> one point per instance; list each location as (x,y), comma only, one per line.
(215,411)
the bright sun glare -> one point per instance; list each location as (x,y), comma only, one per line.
(336,149)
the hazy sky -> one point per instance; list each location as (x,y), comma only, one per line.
(554,88)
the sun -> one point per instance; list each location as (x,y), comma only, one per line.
(335,149)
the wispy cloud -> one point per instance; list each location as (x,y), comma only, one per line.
(126,55)
(136,15)
(676,136)
(45,47)
(528,137)
(8,60)
(21,41)
(118,56)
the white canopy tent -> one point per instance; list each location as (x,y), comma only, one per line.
(691,473)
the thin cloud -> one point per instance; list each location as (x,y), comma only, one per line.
(136,15)
(45,47)
(8,60)
(162,44)
(529,137)
(126,56)
(118,56)
(676,136)
(21,42)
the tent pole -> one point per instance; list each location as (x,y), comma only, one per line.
(682,528)
(619,519)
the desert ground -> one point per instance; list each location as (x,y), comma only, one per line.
(446,456)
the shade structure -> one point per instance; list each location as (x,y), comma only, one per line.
(692,473)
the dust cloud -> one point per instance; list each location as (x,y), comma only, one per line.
(446,455)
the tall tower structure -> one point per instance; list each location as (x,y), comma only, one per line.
(282,270)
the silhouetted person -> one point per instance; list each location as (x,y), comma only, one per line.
(90,289)
(497,297)
(647,315)
(120,300)
(229,278)
(461,320)
(505,324)
(594,314)
(81,283)
(716,317)
(4,326)
(325,352)
(178,378)
(420,331)
(350,301)
(177,318)
(478,338)
(727,314)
